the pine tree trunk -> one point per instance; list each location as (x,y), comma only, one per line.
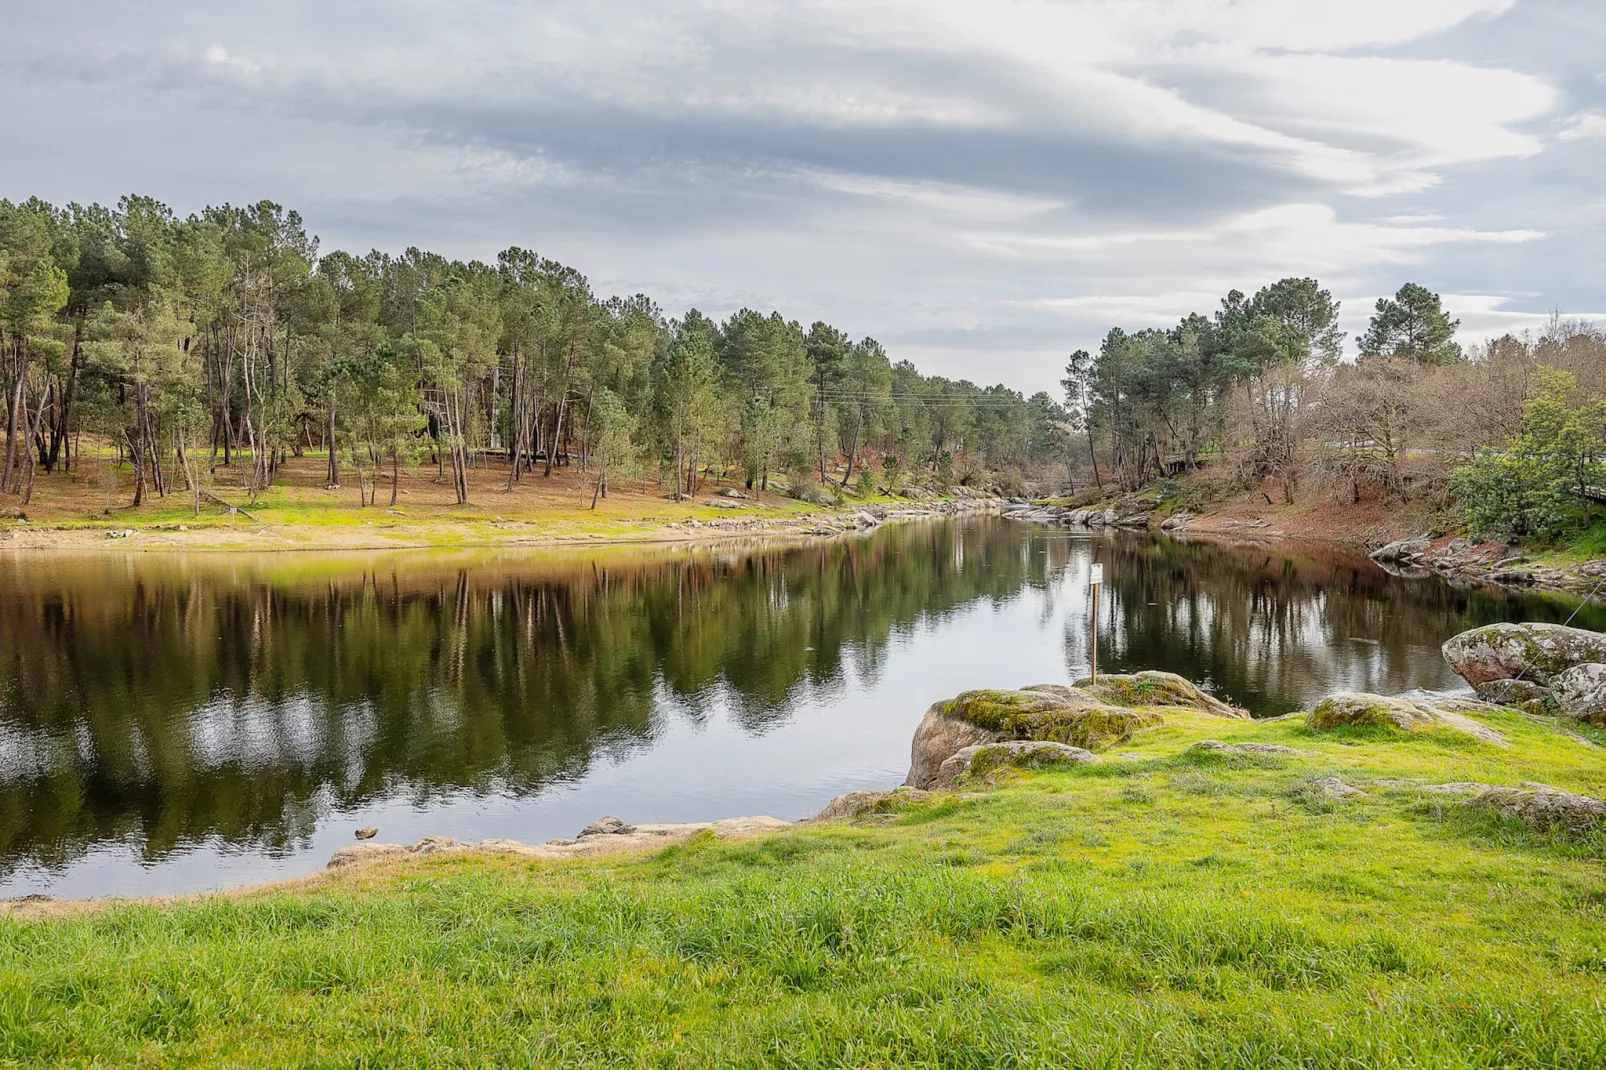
(13,407)
(334,452)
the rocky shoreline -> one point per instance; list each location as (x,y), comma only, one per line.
(961,744)
(1460,561)
(1463,561)
(966,503)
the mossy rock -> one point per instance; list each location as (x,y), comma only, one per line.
(1580,693)
(1049,712)
(1152,688)
(857,804)
(984,758)
(1543,807)
(1062,715)
(1524,695)
(1406,714)
(1532,651)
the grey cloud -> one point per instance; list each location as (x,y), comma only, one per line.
(724,201)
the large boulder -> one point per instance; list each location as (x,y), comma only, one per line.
(1580,692)
(983,758)
(1535,652)
(1050,712)
(1409,714)
(1152,688)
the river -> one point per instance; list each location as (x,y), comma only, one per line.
(177,723)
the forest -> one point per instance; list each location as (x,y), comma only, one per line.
(205,350)
(198,354)
(1256,398)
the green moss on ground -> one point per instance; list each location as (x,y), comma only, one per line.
(1152,911)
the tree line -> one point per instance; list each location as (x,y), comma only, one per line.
(227,340)
(1512,432)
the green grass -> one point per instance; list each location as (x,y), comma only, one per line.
(299,511)
(1588,544)
(1157,911)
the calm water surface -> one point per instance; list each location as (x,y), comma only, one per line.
(178,723)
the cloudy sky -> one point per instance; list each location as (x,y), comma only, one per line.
(981,185)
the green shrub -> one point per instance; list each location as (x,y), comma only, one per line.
(1537,487)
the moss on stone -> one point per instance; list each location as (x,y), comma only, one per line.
(1151,688)
(1078,720)
(1360,709)
(1329,715)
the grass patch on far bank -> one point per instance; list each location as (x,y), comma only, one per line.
(1587,545)
(1157,910)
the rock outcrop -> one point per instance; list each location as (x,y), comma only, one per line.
(1409,714)
(1525,695)
(1403,552)
(1152,688)
(1580,692)
(1537,668)
(1047,712)
(1134,515)
(856,804)
(355,853)
(983,758)
(1537,653)
(1543,807)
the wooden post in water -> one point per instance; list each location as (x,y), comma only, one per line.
(1095,579)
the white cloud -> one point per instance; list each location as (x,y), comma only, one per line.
(1486,316)
(1131,310)
(949,201)
(1322,26)
(217,56)
(1589,124)
(1288,235)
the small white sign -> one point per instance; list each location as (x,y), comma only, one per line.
(1095,575)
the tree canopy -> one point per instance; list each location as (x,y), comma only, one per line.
(232,334)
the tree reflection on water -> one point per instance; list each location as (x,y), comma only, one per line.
(163,701)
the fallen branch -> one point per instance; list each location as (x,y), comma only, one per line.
(231,507)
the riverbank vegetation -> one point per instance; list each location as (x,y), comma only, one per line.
(1164,907)
(184,358)
(1508,439)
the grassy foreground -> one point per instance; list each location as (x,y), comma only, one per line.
(1167,910)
